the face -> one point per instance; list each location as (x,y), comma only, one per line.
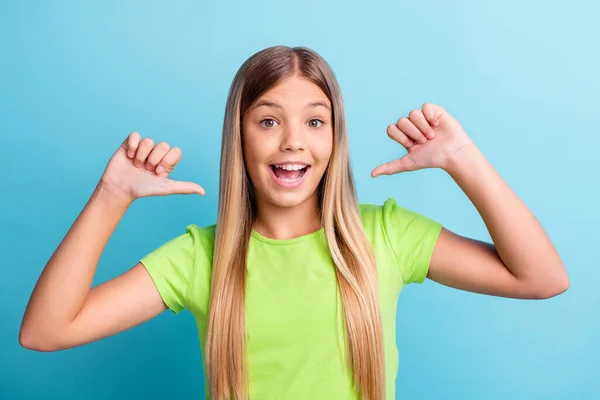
(287,137)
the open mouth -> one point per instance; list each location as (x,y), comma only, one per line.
(289,175)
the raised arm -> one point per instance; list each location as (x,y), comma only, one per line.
(522,262)
(64,311)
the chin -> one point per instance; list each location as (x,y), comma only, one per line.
(287,200)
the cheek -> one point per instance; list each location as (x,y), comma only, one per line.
(251,150)
(322,152)
(252,163)
(255,154)
(249,153)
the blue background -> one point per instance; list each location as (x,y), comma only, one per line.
(521,77)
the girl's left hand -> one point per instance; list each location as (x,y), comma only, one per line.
(431,136)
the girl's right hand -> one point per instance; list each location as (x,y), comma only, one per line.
(140,169)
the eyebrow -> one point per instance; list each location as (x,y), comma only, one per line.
(273,104)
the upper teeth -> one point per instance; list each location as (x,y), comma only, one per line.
(291,167)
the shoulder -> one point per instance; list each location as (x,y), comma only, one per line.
(403,229)
(201,243)
(376,218)
(187,248)
(203,236)
(368,208)
(376,213)
(410,235)
(174,266)
(391,212)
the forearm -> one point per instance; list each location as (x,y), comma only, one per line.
(66,279)
(519,238)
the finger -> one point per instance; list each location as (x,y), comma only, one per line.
(433,113)
(131,143)
(142,152)
(168,162)
(395,133)
(181,187)
(410,130)
(419,120)
(157,154)
(393,167)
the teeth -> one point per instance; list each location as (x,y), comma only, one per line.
(291,167)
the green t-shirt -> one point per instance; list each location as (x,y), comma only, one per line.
(294,318)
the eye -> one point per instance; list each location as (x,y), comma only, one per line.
(269,125)
(317,120)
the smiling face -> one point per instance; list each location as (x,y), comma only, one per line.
(287,136)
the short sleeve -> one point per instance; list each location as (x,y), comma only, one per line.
(172,267)
(412,238)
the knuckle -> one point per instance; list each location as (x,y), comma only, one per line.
(175,155)
(163,145)
(390,130)
(402,120)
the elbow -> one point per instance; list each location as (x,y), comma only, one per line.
(31,339)
(28,340)
(553,289)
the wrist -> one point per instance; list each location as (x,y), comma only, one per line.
(466,158)
(112,195)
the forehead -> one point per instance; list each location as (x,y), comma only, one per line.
(293,92)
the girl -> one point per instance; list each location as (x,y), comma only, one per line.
(295,287)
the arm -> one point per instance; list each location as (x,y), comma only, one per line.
(522,263)
(63,310)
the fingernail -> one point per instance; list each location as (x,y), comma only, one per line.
(130,154)
(423,140)
(160,169)
(137,164)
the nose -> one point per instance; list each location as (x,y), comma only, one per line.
(292,138)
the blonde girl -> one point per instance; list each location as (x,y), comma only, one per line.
(294,289)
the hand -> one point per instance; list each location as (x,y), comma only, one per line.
(432,138)
(139,169)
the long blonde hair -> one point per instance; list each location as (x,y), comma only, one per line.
(225,352)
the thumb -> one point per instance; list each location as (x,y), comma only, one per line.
(393,167)
(181,187)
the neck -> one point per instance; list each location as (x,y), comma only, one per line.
(282,223)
